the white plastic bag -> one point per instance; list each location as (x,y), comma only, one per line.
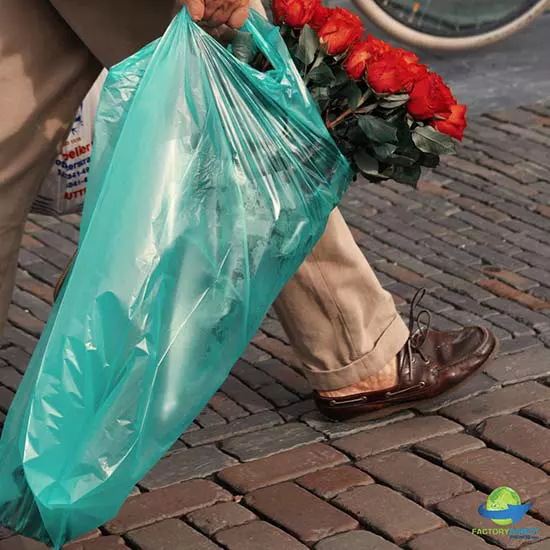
(63,189)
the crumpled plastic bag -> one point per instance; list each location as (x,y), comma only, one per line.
(210,183)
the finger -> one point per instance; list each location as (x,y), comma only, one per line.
(196,9)
(220,17)
(211,7)
(238,17)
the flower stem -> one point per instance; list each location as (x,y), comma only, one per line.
(347,112)
(337,120)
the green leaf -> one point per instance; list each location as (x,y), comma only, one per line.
(397,97)
(321,92)
(353,94)
(242,46)
(405,156)
(308,44)
(377,129)
(384,151)
(409,175)
(392,104)
(428,160)
(367,165)
(340,76)
(429,140)
(321,75)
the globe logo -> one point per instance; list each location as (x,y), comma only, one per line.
(504,507)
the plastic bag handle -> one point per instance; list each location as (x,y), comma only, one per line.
(270,45)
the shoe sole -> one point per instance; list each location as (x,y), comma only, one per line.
(388,411)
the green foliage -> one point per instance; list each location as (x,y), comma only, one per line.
(374,131)
(308,46)
(429,140)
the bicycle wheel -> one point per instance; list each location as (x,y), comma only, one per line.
(451,24)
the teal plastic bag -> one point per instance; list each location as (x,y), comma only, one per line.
(210,183)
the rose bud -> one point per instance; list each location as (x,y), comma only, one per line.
(320,17)
(430,97)
(455,124)
(363,53)
(295,13)
(340,31)
(391,74)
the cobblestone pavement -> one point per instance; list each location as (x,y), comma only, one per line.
(260,469)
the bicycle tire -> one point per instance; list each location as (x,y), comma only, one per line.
(419,39)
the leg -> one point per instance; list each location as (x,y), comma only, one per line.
(357,351)
(341,322)
(45,71)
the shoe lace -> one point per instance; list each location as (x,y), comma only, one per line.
(419,326)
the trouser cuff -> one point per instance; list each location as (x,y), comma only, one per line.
(387,346)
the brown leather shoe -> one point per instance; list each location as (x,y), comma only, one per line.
(430,363)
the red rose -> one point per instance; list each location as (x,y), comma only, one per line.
(407,56)
(363,53)
(320,17)
(455,124)
(430,97)
(378,47)
(295,13)
(392,73)
(340,31)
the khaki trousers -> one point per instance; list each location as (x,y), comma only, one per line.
(343,325)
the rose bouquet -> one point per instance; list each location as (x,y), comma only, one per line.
(388,113)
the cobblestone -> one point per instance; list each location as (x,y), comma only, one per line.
(496,403)
(415,477)
(288,377)
(540,412)
(446,446)
(243,395)
(208,418)
(518,436)
(329,483)
(245,425)
(281,467)
(226,407)
(521,367)
(356,540)
(99,543)
(298,410)
(541,508)
(168,535)
(394,436)
(186,464)
(395,516)
(488,468)
(523,343)
(258,535)
(449,537)
(221,516)
(304,515)
(270,441)
(21,543)
(278,395)
(169,502)
(340,429)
